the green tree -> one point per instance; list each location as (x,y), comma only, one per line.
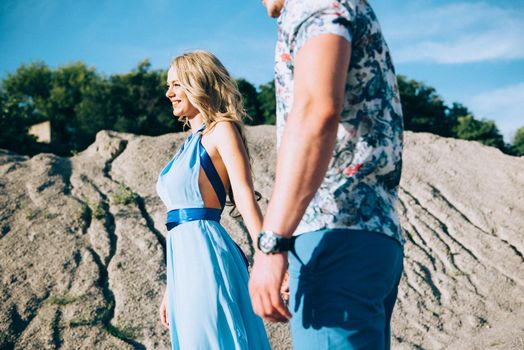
(484,131)
(23,96)
(15,119)
(456,111)
(93,112)
(138,104)
(52,95)
(423,109)
(518,142)
(250,101)
(70,85)
(80,102)
(29,88)
(267,102)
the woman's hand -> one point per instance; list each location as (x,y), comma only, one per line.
(284,289)
(163,311)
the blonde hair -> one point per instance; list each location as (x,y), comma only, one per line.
(212,91)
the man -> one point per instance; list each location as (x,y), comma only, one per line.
(339,138)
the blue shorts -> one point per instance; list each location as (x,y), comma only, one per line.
(343,286)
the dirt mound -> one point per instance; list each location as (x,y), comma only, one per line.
(82,245)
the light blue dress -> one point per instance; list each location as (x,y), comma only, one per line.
(207,280)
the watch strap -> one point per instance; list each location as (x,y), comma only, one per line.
(286,244)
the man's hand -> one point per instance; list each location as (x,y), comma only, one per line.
(264,286)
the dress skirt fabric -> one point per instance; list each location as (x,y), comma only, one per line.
(208,299)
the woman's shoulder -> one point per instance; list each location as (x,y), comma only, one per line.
(223,129)
(224,135)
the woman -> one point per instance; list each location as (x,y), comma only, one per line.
(206,304)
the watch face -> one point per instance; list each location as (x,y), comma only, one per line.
(267,242)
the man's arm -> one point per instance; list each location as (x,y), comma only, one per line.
(310,132)
(305,152)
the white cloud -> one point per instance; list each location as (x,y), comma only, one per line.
(504,105)
(466,48)
(457,33)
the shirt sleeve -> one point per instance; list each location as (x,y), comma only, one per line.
(331,17)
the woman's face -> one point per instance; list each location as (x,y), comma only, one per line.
(182,107)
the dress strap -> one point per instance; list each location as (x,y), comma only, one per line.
(212,175)
(201,127)
(210,170)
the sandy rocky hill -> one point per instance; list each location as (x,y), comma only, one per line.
(82,255)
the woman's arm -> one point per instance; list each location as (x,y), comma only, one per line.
(233,153)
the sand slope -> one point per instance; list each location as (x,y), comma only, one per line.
(81,270)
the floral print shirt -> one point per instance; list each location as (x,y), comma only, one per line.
(360,188)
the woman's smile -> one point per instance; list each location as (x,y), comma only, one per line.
(178,97)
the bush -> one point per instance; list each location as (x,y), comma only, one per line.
(124,195)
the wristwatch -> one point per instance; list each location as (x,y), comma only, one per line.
(270,243)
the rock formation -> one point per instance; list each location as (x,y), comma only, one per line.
(82,245)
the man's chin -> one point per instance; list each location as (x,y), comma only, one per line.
(274,8)
(275,13)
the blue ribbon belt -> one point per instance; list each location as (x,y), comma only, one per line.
(180,216)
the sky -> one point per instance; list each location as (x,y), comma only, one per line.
(471,52)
